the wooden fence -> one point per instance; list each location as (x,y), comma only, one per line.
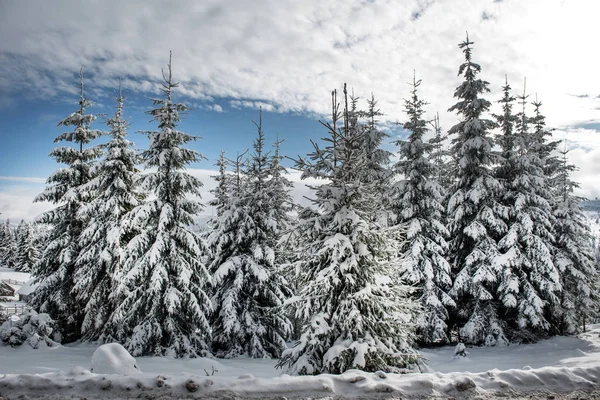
(7,310)
(14,282)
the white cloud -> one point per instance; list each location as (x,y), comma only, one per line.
(16,202)
(286,55)
(291,54)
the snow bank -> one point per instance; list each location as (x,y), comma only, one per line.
(351,384)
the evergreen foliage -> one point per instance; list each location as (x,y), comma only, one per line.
(475,216)
(249,289)
(416,200)
(354,316)
(528,279)
(574,256)
(55,271)
(26,250)
(165,308)
(8,245)
(100,262)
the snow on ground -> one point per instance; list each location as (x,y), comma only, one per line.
(554,365)
(9,275)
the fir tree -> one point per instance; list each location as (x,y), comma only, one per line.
(221,192)
(475,216)
(56,269)
(416,201)
(440,160)
(26,249)
(354,318)
(99,265)
(8,245)
(165,308)
(574,257)
(528,279)
(249,290)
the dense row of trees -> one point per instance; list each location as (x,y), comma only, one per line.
(469,243)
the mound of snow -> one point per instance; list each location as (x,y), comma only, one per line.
(112,358)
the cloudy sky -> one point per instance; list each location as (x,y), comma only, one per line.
(233,56)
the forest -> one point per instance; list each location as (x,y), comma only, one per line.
(467,235)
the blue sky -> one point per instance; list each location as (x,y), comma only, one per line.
(232,56)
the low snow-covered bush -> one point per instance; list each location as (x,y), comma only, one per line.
(35,329)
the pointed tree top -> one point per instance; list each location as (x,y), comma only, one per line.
(81,81)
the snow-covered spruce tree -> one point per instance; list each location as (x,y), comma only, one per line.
(280,187)
(416,199)
(440,159)
(355,317)
(165,308)
(574,255)
(546,148)
(55,271)
(221,192)
(528,279)
(475,216)
(99,265)
(249,289)
(283,211)
(8,245)
(27,251)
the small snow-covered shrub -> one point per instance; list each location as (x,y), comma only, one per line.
(460,351)
(35,329)
(113,358)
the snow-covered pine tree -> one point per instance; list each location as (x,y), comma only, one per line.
(378,158)
(475,216)
(26,250)
(355,317)
(8,245)
(165,309)
(55,271)
(284,212)
(574,255)
(99,265)
(528,279)
(416,198)
(280,187)
(546,147)
(440,159)
(507,122)
(249,289)
(221,192)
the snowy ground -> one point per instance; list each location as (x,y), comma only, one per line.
(557,365)
(8,275)
(567,367)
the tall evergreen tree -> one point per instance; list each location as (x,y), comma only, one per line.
(528,279)
(475,216)
(165,307)
(574,256)
(55,271)
(353,317)
(417,198)
(249,290)
(99,265)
